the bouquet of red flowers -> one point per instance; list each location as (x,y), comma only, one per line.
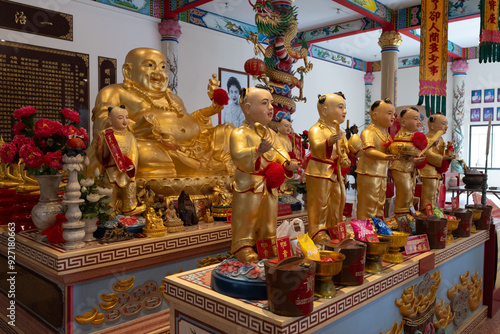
(40,144)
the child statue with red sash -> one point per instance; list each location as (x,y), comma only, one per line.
(117,152)
(325,169)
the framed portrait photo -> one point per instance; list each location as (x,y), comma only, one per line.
(489,95)
(498,113)
(475,115)
(232,81)
(476,96)
(487,114)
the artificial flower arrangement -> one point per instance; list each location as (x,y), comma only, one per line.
(41,143)
(97,198)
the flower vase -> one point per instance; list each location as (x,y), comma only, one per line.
(90,228)
(48,207)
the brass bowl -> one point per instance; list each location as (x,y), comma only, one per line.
(325,270)
(396,241)
(476,213)
(452,226)
(329,268)
(374,250)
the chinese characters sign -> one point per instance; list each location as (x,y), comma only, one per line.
(433,55)
(47,79)
(490,36)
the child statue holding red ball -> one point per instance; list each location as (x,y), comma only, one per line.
(407,145)
(262,165)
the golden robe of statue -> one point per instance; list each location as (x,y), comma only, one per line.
(171,142)
(372,174)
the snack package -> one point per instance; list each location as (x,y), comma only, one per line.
(392,223)
(381,226)
(411,221)
(438,212)
(308,248)
(361,229)
(450,217)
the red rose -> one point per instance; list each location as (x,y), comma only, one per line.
(53,160)
(305,133)
(46,128)
(82,132)
(21,140)
(18,128)
(24,112)
(8,153)
(220,97)
(68,130)
(32,156)
(71,115)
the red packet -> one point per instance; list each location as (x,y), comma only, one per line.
(341,230)
(417,244)
(284,247)
(265,249)
(428,209)
(372,237)
(404,226)
(454,203)
(333,232)
(228,216)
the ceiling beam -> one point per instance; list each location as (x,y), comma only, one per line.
(172,7)
(372,9)
(338,30)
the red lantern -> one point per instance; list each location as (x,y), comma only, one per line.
(255,67)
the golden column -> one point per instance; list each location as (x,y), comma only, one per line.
(389,41)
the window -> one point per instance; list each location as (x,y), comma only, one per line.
(477,146)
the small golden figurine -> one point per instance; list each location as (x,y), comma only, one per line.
(154,224)
(261,163)
(172,221)
(116,151)
(372,166)
(438,161)
(329,155)
(407,145)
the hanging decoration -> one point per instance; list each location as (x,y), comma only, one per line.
(433,56)
(489,39)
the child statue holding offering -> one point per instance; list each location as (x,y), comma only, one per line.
(372,166)
(116,151)
(407,145)
(437,161)
(329,161)
(262,164)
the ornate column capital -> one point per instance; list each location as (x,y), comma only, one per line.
(459,67)
(369,77)
(170,29)
(390,40)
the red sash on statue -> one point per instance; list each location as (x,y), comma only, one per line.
(122,162)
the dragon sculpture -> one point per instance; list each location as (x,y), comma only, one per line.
(277,19)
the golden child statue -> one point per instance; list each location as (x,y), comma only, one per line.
(437,161)
(284,127)
(171,142)
(116,151)
(372,166)
(407,145)
(256,151)
(329,154)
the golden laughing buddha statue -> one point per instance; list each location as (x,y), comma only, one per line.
(171,142)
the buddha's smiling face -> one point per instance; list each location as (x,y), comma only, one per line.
(148,68)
